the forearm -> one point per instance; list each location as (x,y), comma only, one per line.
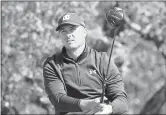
(55,89)
(59,98)
(117,95)
(67,104)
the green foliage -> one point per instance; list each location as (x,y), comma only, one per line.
(29,36)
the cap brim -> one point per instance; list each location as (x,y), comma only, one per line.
(65,23)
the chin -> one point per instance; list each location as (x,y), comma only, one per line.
(72,47)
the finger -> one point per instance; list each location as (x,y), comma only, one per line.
(86,112)
(90,112)
(97,109)
(101,110)
(94,109)
(98,113)
(105,98)
(97,100)
(92,104)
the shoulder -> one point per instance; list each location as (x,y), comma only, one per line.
(97,54)
(102,58)
(53,59)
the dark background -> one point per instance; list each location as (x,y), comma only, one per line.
(29,36)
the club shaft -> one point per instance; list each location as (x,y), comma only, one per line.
(112,47)
(104,80)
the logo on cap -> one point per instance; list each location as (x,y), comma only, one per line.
(70,18)
(92,71)
(66,17)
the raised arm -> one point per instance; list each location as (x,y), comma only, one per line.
(114,87)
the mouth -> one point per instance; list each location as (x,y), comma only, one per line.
(69,41)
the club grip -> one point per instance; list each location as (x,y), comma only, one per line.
(103,93)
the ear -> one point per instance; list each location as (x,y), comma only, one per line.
(85,32)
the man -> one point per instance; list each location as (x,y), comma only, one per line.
(74,77)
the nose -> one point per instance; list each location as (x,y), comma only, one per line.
(70,36)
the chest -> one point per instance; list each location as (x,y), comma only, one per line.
(82,76)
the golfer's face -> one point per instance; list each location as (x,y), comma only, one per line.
(72,36)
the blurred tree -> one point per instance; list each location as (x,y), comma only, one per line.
(28,37)
(142,39)
(155,103)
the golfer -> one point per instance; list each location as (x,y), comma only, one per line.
(72,79)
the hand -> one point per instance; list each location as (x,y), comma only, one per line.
(106,109)
(90,106)
(98,99)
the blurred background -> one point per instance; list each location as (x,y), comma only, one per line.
(29,37)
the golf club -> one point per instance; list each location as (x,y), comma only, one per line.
(114,17)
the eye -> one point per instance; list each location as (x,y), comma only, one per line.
(62,32)
(73,28)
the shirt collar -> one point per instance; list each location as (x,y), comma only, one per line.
(81,57)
